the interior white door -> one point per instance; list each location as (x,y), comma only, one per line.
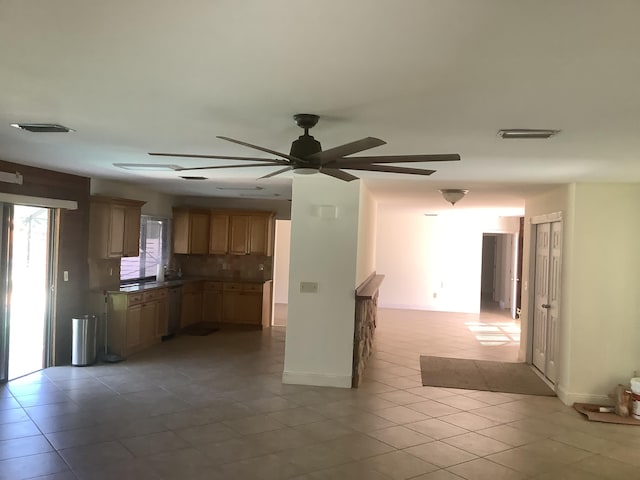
(555,249)
(547,295)
(541,294)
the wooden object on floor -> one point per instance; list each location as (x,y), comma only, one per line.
(591,411)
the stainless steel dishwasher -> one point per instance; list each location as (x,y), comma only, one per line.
(175,306)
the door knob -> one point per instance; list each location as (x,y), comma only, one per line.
(546,305)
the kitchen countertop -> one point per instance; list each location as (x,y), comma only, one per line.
(139,287)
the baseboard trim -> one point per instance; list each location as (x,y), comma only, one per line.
(316,379)
(569,398)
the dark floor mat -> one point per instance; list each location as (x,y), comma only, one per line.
(200,329)
(486,375)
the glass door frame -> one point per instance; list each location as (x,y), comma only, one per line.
(6,254)
(6,230)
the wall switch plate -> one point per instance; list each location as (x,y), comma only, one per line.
(65,276)
(308,287)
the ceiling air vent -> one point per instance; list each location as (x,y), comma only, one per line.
(42,127)
(526,133)
(194,178)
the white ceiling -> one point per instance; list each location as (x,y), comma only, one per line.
(427,76)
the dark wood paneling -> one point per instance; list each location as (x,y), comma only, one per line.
(71,296)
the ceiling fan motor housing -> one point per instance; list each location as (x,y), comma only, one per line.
(305,146)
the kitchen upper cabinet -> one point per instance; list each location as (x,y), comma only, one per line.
(131,234)
(239,234)
(250,234)
(260,235)
(219,234)
(114,227)
(190,231)
(222,232)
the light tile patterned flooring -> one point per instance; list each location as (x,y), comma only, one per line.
(214,407)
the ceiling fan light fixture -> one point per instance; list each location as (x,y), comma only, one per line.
(526,133)
(305,171)
(453,195)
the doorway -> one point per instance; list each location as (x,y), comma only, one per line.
(280,297)
(27,278)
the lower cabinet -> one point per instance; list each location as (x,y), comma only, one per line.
(191,306)
(212,302)
(247,303)
(136,320)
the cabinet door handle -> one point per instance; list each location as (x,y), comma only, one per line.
(546,305)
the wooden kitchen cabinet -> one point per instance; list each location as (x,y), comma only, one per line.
(212,302)
(136,320)
(191,231)
(238,234)
(250,234)
(247,303)
(191,306)
(219,234)
(114,227)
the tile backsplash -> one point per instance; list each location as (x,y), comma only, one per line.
(259,267)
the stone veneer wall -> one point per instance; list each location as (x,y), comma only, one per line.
(365,326)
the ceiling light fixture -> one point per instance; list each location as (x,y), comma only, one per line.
(42,127)
(305,171)
(508,133)
(453,195)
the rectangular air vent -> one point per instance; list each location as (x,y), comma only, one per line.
(526,133)
(42,127)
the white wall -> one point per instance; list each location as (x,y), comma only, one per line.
(281,261)
(367,222)
(157,204)
(432,262)
(604,331)
(319,339)
(599,305)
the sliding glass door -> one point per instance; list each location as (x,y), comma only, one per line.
(26,279)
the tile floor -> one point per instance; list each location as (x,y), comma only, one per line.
(214,408)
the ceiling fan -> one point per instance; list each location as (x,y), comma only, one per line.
(306,156)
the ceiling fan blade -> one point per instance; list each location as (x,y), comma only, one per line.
(444,157)
(277,172)
(228,166)
(339,174)
(390,169)
(220,157)
(262,149)
(346,149)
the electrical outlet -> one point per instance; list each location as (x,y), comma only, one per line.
(308,287)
